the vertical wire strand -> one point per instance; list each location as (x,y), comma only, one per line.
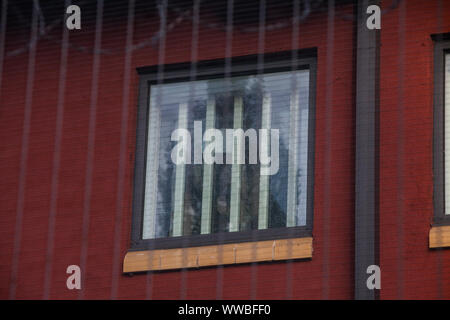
(162,8)
(327,154)
(260,71)
(400,147)
(91,147)
(193,77)
(440,263)
(122,151)
(56,160)
(3,23)
(294,85)
(24,151)
(228,55)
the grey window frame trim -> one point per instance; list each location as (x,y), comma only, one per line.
(212,69)
(441,47)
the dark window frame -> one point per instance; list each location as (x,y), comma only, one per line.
(213,69)
(441,47)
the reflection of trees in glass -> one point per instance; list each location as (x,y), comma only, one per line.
(278,190)
(299,194)
(251,89)
(166,171)
(252,94)
(250,173)
(194,176)
(278,184)
(220,213)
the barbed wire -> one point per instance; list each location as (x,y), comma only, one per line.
(43,30)
(392,6)
(308,9)
(154,39)
(44,33)
(182,15)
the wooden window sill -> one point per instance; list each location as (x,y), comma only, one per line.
(439,237)
(226,254)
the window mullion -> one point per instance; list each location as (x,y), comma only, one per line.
(151,187)
(180,176)
(208,173)
(292,162)
(235,195)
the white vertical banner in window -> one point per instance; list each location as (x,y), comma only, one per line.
(264,144)
(302,185)
(235,194)
(447,133)
(180,176)
(208,171)
(151,178)
(303,139)
(292,161)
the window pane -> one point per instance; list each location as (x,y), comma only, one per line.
(250,179)
(194,197)
(279,182)
(194,173)
(289,114)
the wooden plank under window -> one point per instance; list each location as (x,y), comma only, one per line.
(233,253)
(439,237)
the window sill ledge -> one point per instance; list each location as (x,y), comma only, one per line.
(439,237)
(226,254)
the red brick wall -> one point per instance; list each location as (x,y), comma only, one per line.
(409,269)
(329,274)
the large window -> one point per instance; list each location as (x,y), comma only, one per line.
(225,159)
(442,130)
